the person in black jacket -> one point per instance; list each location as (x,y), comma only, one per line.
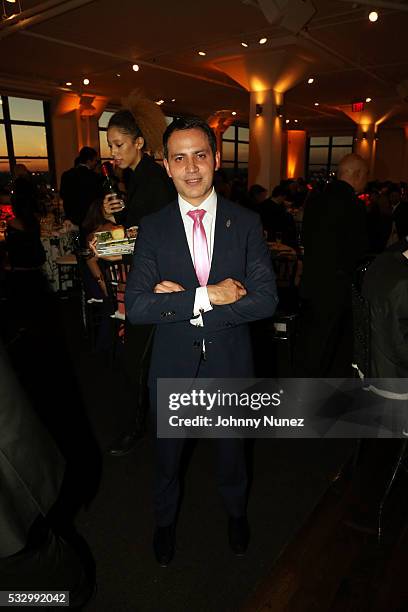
(80,186)
(148,190)
(33,556)
(335,239)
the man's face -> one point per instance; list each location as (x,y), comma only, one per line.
(92,163)
(191,164)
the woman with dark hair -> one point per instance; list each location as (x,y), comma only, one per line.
(23,242)
(25,254)
(96,220)
(131,133)
(148,186)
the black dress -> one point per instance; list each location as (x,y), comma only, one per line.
(149,190)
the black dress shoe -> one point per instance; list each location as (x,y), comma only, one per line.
(238,533)
(126,443)
(163,544)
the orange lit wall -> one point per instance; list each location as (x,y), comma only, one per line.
(296,153)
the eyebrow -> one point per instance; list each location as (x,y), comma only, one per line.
(193,152)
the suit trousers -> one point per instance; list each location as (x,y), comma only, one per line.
(231,471)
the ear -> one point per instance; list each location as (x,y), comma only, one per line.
(217,160)
(139,142)
(166,165)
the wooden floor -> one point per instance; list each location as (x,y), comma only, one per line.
(334,567)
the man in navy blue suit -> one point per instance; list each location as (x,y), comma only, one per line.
(201,273)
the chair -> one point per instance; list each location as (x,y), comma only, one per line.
(92,308)
(115,273)
(362,365)
(67,271)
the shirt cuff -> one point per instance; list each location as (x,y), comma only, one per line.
(201,304)
(202,301)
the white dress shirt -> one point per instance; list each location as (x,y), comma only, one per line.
(202,301)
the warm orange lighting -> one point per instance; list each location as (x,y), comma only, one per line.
(296,150)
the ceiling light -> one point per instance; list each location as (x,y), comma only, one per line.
(262,41)
(135,67)
(160,102)
(258,110)
(234,113)
(86,81)
(296,121)
(316,104)
(310,80)
(68,83)
(373,16)
(12,1)
(117,74)
(368,99)
(202,53)
(244,44)
(287,120)
(173,99)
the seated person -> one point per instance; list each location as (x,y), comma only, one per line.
(96,220)
(277,220)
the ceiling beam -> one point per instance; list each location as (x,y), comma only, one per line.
(38,8)
(398,6)
(122,58)
(54,10)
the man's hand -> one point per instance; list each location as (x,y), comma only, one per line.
(167,287)
(226,292)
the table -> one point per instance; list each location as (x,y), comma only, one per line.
(57,244)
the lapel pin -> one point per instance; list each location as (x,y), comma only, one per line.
(228,223)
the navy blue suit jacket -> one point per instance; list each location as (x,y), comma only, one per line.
(162,253)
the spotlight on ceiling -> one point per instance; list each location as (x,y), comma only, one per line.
(310,80)
(86,81)
(316,103)
(136,67)
(234,113)
(287,121)
(68,83)
(373,16)
(159,102)
(202,53)
(296,121)
(244,44)
(173,99)
(368,100)
(262,41)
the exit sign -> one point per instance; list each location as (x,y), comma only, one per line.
(357,107)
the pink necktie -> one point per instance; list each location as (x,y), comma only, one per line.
(200,248)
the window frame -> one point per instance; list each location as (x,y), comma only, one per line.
(330,146)
(8,123)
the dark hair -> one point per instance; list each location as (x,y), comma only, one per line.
(278,191)
(256,190)
(189,123)
(94,217)
(124,120)
(24,202)
(86,154)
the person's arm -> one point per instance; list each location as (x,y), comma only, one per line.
(96,272)
(143,304)
(261,296)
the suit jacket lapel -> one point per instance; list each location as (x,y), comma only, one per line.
(181,244)
(222,237)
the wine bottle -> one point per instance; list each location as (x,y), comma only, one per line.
(109,186)
(108,178)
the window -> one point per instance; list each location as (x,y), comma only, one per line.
(325,152)
(235,147)
(25,137)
